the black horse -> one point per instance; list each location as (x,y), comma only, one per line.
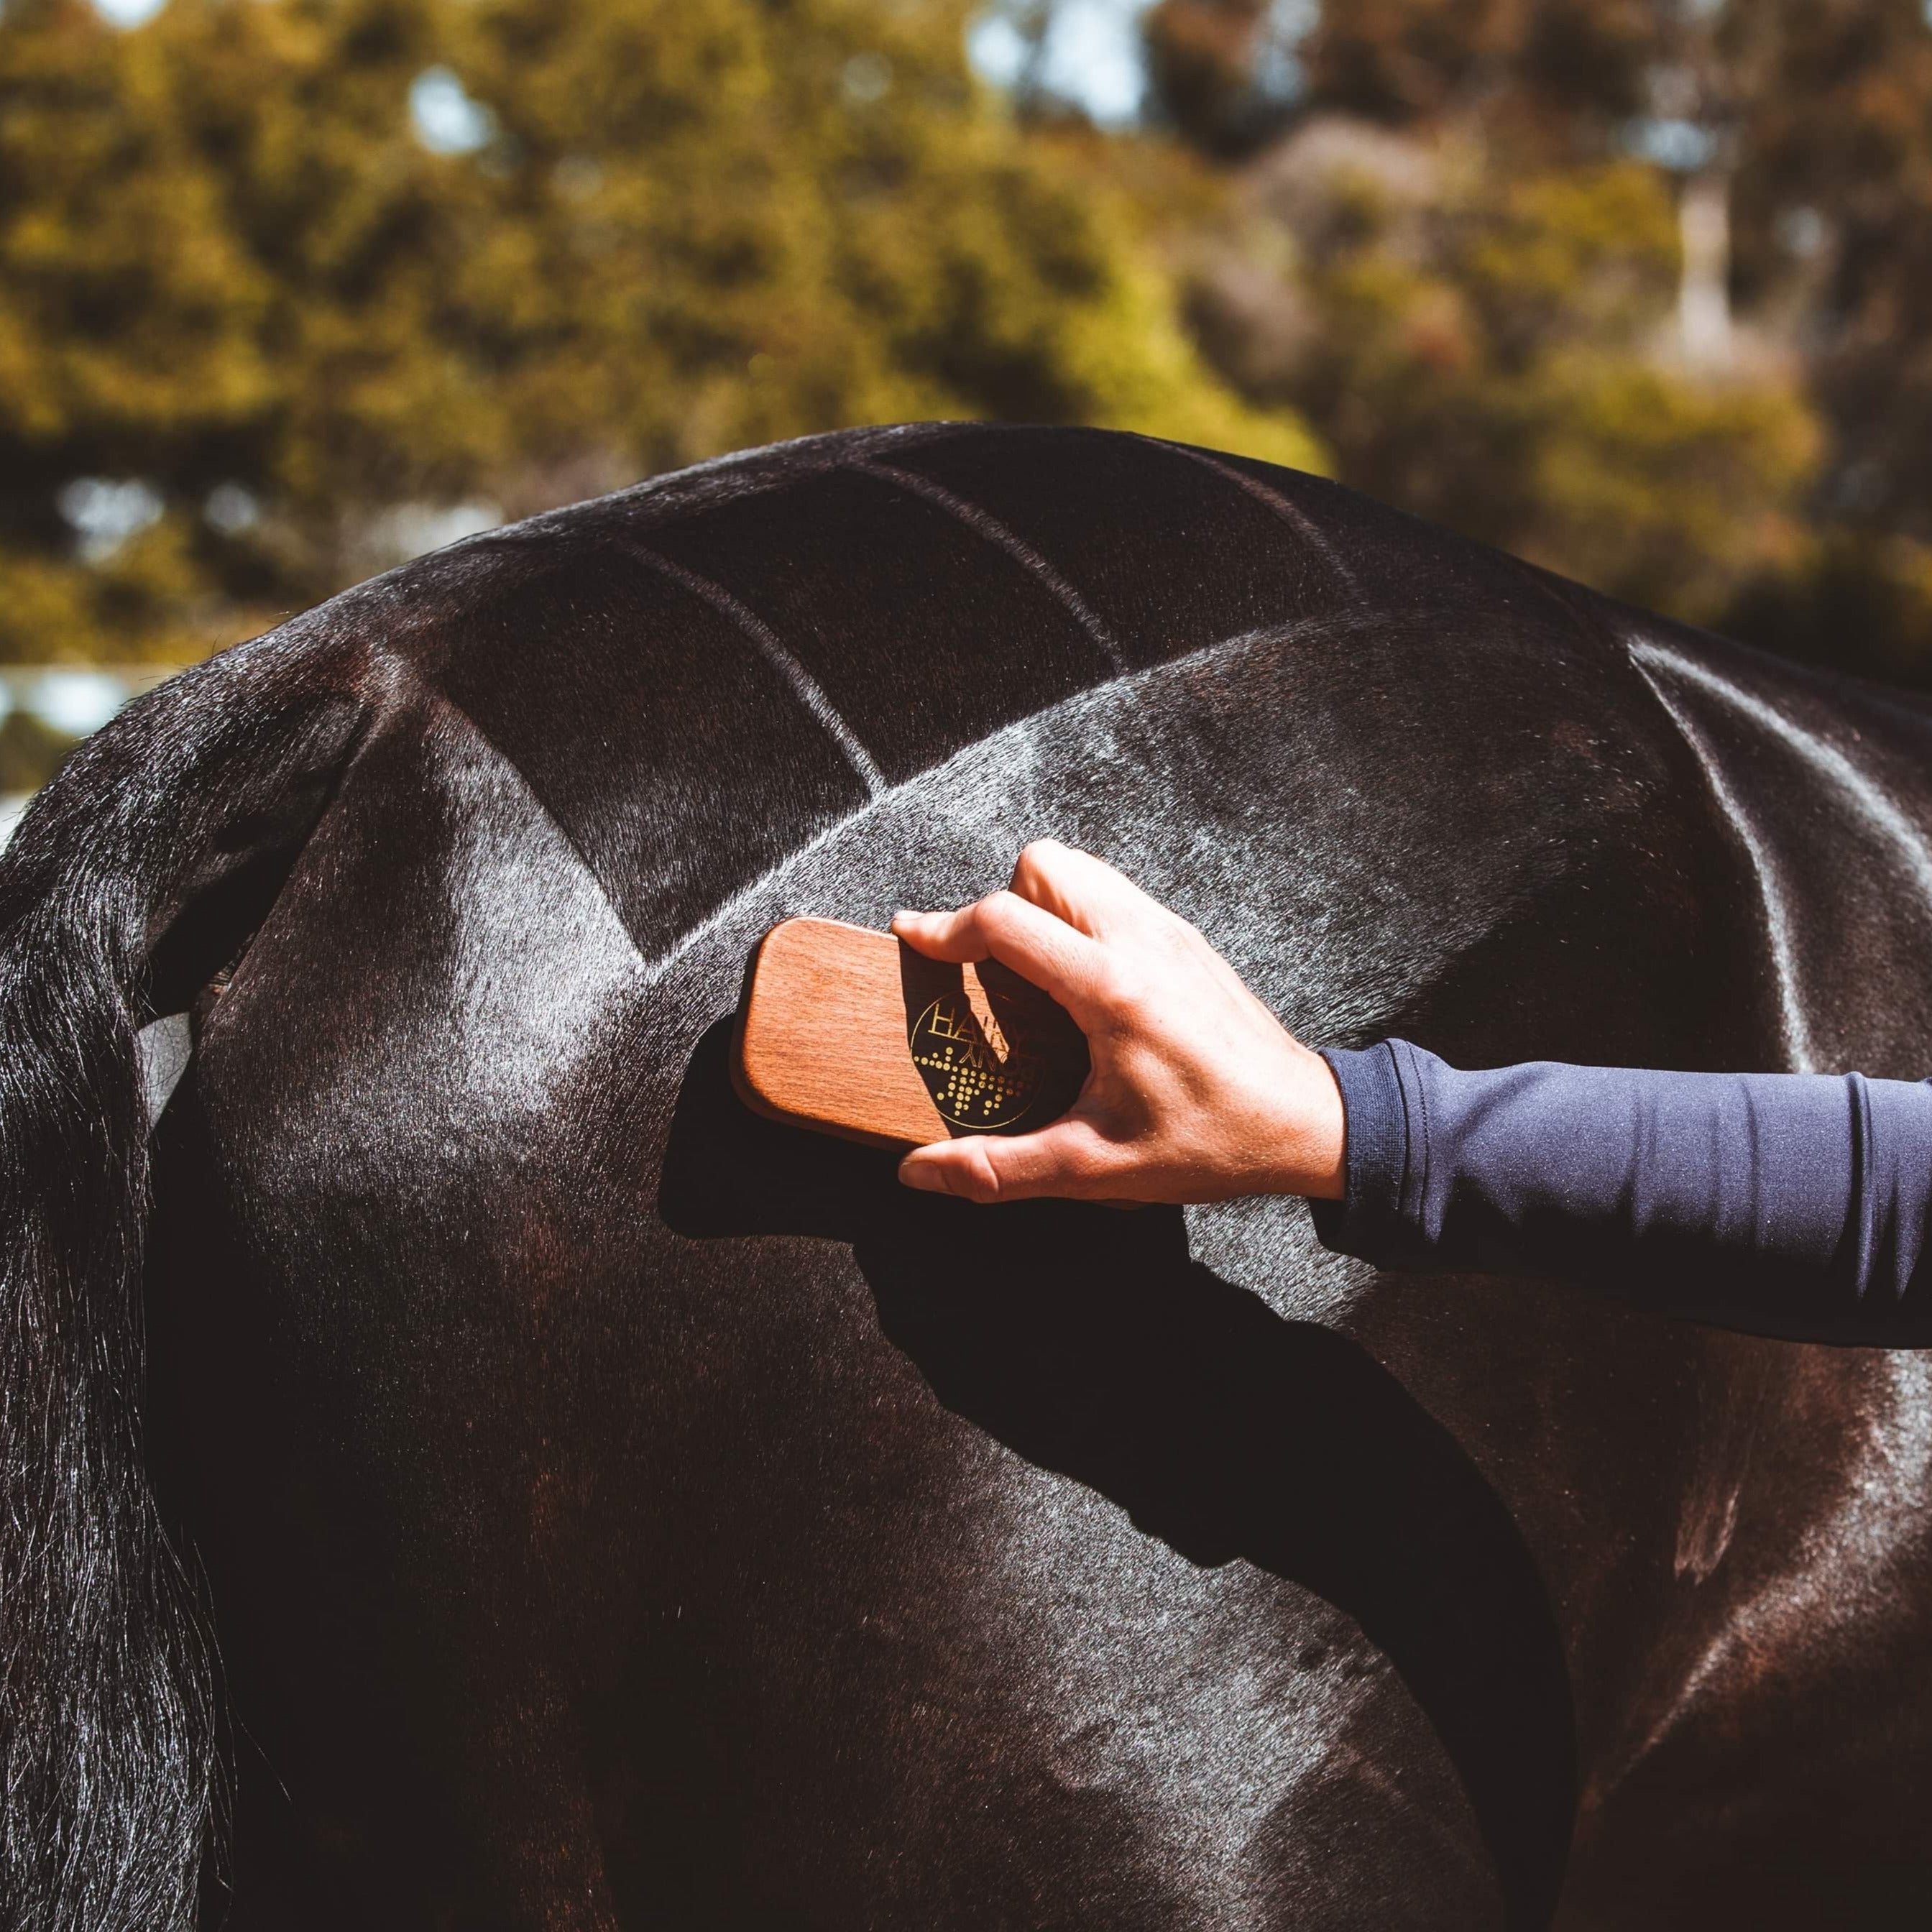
(597,1507)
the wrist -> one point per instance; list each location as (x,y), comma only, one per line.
(1313,1144)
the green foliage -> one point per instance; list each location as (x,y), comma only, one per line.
(1852,600)
(1400,60)
(31,752)
(229,267)
(1492,352)
(1676,494)
(1455,267)
(1206,59)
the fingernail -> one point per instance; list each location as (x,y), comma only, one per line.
(923,1175)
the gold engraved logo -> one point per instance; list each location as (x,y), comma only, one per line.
(979,1076)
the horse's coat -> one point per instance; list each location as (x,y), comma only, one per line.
(618,1511)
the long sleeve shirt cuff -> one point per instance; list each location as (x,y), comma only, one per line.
(1794,1204)
(1367,1220)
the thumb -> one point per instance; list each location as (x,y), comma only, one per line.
(1068,1159)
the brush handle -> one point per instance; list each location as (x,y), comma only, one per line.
(849,1032)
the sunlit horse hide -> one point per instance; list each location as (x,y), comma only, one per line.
(617,1511)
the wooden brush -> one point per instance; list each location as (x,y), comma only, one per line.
(846,1030)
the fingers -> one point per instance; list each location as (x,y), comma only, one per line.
(1089,894)
(1085,892)
(1036,943)
(1068,1159)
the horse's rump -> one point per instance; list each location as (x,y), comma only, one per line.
(770,1547)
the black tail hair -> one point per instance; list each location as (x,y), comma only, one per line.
(108,1766)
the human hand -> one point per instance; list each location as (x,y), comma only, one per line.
(1197,1092)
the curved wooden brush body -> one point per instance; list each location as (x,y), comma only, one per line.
(847,1030)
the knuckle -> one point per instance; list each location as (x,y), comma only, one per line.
(1125,989)
(1182,948)
(982,1178)
(1039,860)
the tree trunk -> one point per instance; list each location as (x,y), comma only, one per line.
(1703,291)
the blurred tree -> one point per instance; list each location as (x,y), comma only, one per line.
(289,288)
(1835,206)
(1834,245)
(1224,73)
(1484,349)
(1791,140)
(1404,60)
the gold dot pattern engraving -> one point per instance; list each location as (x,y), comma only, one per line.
(977,1077)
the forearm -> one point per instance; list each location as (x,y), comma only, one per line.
(1790,1205)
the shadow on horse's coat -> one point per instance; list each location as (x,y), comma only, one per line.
(616,1510)
(1088,1343)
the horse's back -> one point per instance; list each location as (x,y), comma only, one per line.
(697,677)
(643,1552)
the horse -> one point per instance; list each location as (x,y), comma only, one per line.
(463,1469)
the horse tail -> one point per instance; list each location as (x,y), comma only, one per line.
(138,868)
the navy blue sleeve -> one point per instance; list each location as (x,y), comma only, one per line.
(1786,1204)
